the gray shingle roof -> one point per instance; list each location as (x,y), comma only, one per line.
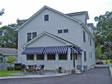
(8,51)
(79,13)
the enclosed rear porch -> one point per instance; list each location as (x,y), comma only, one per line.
(54,57)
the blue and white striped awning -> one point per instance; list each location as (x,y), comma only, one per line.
(35,50)
(74,51)
(56,49)
(49,50)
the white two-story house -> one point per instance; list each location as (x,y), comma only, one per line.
(55,39)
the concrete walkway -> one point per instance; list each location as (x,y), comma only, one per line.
(94,76)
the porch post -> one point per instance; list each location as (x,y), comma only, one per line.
(57,57)
(76,61)
(35,57)
(45,57)
(68,57)
(82,61)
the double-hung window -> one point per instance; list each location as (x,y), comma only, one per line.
(34,34)
(46,17)
(30,36)
(84,36)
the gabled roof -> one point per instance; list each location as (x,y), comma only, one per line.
(79,13)
(42,9)
(53,36)
(64,15)
(8,51)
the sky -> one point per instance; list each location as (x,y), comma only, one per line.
(23,9)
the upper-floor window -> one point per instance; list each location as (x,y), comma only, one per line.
(46,17)
(31,35)
(65,30)
(28,36)
(84,36)
(34,34)
(59,31)
(90,42)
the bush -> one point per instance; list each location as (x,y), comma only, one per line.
(18,66)
(10,68)
(111,61)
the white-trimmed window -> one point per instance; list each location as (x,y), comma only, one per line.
(51,56)
(65,30)
(84,36)
(40,56)
(30,36)
(59,31)
(62,56)
(90,42)
(30,57)
(46,17)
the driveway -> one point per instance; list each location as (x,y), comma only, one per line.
(94,76)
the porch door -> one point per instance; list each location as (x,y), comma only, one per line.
(75,60)
(73,55)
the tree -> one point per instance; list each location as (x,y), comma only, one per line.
(98,52)
(103,34)
(1,13)
(11,59)
(9,37)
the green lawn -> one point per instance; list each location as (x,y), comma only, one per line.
(7,73)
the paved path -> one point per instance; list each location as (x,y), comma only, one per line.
(95,76)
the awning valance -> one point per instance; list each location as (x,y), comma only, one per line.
(35,50)
(56,49)
(49,50)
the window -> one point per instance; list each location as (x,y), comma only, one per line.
(30,57)
(85,56)
(90,42)
(34,34)
(65,30)
(46,17)
(28,36)
(62,56)
(51,56)
(40,57)
(59,31)
(84,36)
